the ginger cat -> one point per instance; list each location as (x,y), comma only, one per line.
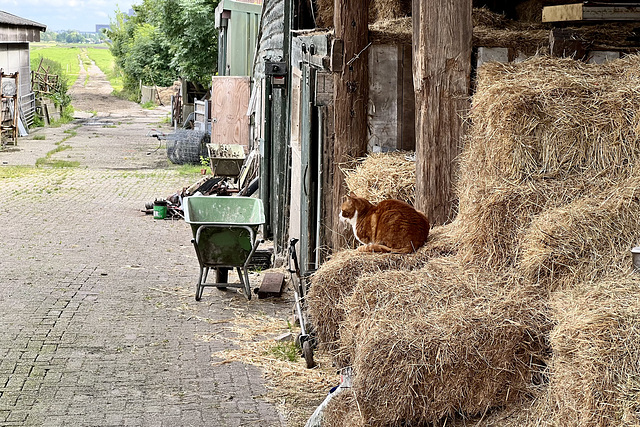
(389,226)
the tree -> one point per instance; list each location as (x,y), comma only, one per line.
(74,37)
(140,49)
(189,26)
(165,39)
(442,32)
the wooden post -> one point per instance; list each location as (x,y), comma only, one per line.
(442,32)
(350,94)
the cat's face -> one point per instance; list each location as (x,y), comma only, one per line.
(348,209)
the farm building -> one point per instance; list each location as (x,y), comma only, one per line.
(293,97)
(520,309)
(15,35)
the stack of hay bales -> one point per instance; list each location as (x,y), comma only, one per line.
(378,9)
(545,134)
(531,317)
(335,282)
(596,353)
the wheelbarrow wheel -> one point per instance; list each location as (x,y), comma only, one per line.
(307,353)
(222,276)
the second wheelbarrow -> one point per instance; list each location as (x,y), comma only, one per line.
(225,237)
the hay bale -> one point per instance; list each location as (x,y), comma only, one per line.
(595,377)
(492,29)
(336,279)
(441,340)
(550,118)
(381,176)
(544,131)
(530,41)
(324,16)
(165,93)
(589,237)
(483,17)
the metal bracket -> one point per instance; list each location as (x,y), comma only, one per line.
(337,51)
(275,68)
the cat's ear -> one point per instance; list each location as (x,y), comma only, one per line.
(352,195)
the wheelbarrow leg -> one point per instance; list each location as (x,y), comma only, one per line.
(204,271)
(244,280)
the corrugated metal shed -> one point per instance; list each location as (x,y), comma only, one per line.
(238,23)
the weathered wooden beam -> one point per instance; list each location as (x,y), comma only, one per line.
(591,12)
(350,93)
(442,32)
(566,43)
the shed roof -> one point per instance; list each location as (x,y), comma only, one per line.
(13,20)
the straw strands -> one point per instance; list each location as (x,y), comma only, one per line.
(596,354)
(529,318)
(594,370)
(294,387)
(589,237)
(381,176)
(343,410)
(378,10)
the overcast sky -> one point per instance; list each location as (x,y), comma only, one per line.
(59,15)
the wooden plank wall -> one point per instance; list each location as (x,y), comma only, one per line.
(14,57)
(391,99)
(19,34)
(229,103)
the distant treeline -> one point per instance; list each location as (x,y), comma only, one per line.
(71,36)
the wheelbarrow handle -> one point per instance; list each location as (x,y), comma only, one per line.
(293,256)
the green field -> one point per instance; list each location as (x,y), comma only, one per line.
(65,56)
(69,57)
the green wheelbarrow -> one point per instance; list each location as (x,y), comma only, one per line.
(225,236)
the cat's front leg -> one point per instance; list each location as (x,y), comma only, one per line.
(375,247)
(365,248)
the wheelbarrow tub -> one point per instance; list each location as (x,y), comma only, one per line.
(224,228)
(228,164)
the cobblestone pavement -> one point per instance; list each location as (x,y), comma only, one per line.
(95,328)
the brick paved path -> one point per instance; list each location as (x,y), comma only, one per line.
(98,325)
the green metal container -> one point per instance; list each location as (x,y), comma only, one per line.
(224,228)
